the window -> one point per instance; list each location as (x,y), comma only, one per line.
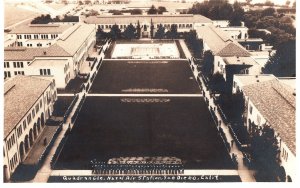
(250,109)
(37,107)
(6,64)
(19,131)
(24,124)
(16,73)
(45,72)
(33,113)
(29,118)
(14,63)
(21,64)
(41,103)
(36,36)
(18,64)
(234,84)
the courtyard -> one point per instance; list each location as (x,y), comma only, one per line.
(145,76)
(109,127)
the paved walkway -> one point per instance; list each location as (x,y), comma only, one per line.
(186,173)
(44,172)
(39,147)
(244,172)
(145,95)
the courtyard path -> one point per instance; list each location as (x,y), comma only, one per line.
(45,171)
(246,174)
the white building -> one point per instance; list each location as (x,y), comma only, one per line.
(62,60)
(272,101)
(184,22)
(38,35)
(26,109)
(229,55)
(236,32)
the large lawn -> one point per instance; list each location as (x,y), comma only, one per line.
(107,128)
(116,76)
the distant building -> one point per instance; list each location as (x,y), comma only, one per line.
(272,101)
(38,35)
(236,32)
(28,103)
(229,56)
(184,22)
(62,60)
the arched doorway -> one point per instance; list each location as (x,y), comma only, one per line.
(34,131)
(27,146)
(39,125)
(21,150)
(30,137)
(42,120)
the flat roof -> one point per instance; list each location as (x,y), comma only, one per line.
(49,62)
(20,94)
(27,28)
(234,60)
(246,79)
(159,18)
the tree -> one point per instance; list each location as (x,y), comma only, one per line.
(294,4)
(160,33)
(152,10)
(237,15)
(283,62)
(161,9)
(287,3)
(264,152)
(138,30)
(217,83)
(248,2)
(269,3)
(208,63)
(172,33)
(151,29)
(129,32)
(80,3)
(136,11)
(194,44)
(268,12)
(115,32)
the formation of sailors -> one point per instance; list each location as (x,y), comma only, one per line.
(163,169)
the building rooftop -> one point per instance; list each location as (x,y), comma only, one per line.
(220,42)
(277,104)
(126,19)
(72,40)
(235,60)
(27,28)
(246,79)
(28,54)
(233,49)
(49,62)
(20,94)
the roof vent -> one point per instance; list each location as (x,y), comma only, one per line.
(45,52)
(256,76)
(257,80)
